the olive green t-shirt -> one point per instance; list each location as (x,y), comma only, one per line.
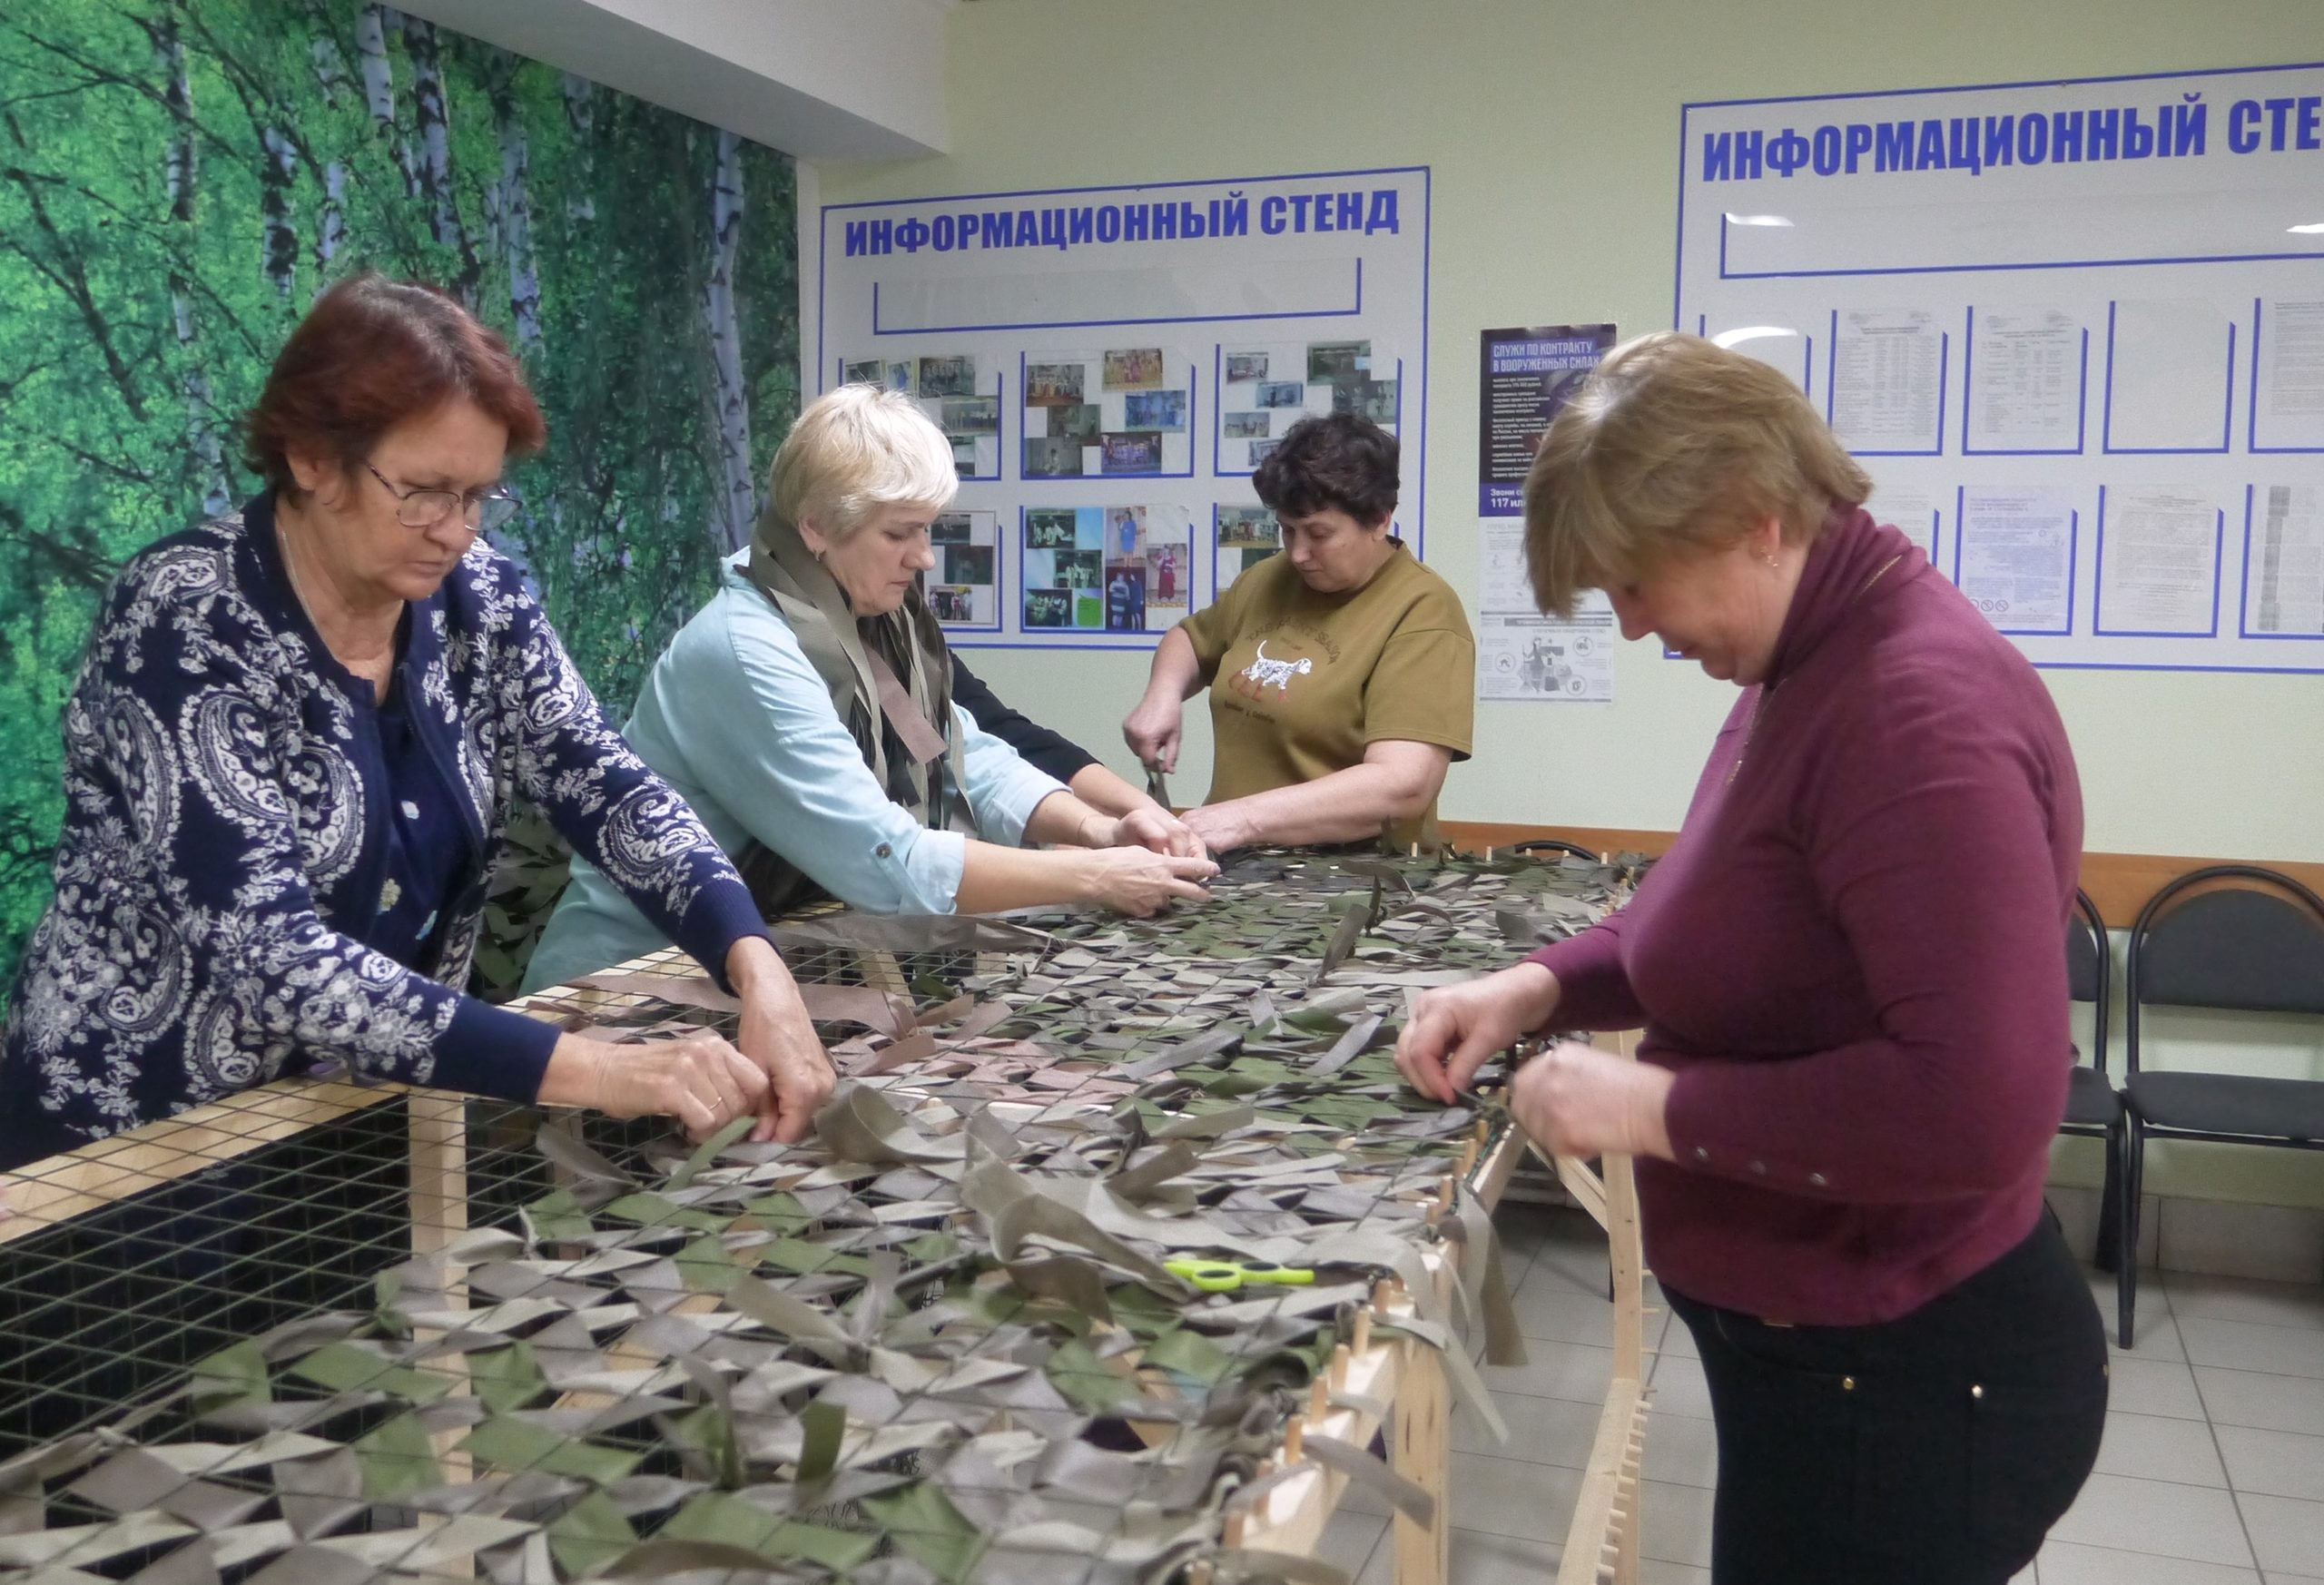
(1301,683)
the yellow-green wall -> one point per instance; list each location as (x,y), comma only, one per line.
(1551,130)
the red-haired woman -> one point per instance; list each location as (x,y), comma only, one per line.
(289,757)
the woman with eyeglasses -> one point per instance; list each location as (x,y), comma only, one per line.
(290,759)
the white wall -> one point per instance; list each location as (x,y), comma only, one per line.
(1551,127)
(820,79)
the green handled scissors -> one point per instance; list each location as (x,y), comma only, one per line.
(1223,1276)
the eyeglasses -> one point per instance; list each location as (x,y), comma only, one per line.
(425,509)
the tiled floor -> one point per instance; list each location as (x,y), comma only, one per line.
(2211,1473)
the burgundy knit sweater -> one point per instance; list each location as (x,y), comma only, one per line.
(1854,957)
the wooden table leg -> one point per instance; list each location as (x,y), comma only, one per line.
(1421,1451)
(439,1126)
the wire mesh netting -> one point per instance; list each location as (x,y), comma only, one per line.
(1094,1204)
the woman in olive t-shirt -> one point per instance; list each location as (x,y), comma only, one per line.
(1340,672)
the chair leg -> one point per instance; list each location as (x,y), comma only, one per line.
(2109,1204)
(2126,1270)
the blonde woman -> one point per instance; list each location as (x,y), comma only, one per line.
(1850,968)
(806,714)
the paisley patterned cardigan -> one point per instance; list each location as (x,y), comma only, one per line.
(224,843)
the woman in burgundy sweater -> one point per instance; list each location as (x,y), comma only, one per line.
(1850,969)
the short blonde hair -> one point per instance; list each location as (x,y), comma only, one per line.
(854,451)
(1675,447)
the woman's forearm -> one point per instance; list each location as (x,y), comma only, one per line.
(996,879)
(1177,673)
(1106,793)
(1062,818)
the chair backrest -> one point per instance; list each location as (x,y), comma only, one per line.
(2254,947)
(2090,970)
(1557,845)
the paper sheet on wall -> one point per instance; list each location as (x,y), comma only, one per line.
(2016,550)
(2025,373)
(2168,376)
(1501,583)
(2283,592)
(1888,379)
(2290,388)
(2158,569)
(1548,659)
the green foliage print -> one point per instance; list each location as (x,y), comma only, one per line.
(180,177)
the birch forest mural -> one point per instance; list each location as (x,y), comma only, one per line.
(180,177)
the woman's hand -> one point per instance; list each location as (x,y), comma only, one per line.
(1134,881)
(1159,830)
(1576,1100)
(1221,827)
(776,1034)
(699,1079)
(1456,1029)
(1153,730)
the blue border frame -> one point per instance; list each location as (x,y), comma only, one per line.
(1687,108)
(1832,386)
(2098,628)
(2074,571)
(1427,267)
(1968,395)
(2251,407)
(1089,324)
(2106,422)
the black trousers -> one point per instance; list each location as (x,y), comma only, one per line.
(1936,1449)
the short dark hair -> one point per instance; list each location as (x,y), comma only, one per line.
(1343,461)
(369,354)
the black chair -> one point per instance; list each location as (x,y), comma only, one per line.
(2093,1106)
(1557,845)
(2255,946)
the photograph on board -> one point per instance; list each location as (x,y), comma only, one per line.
(1126,598)
(1074,421)
(1079,569)
(1247,526)
(964,455)
(1049,608)
(1049,529)
(1338,361)
(866,371)
(950,529)
(1125,534)
(1132,451)
(1246,426)
(1165,576)
(1369,398)
(1051,384)
(972,416)
(1155,409)
(1046,459)
(900,378)
(953,603)
(948,377)
(968,564)
(1282,393)
(1261,450)
(1246,366)
(1133,368)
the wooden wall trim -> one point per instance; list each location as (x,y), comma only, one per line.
(2119,883)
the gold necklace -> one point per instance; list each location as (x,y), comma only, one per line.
(1767,691)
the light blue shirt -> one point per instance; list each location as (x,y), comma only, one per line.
(736,719)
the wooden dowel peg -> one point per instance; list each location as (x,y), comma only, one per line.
(1295,1439)
(1339,1365)
(1360,1334)
(1319,1398)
